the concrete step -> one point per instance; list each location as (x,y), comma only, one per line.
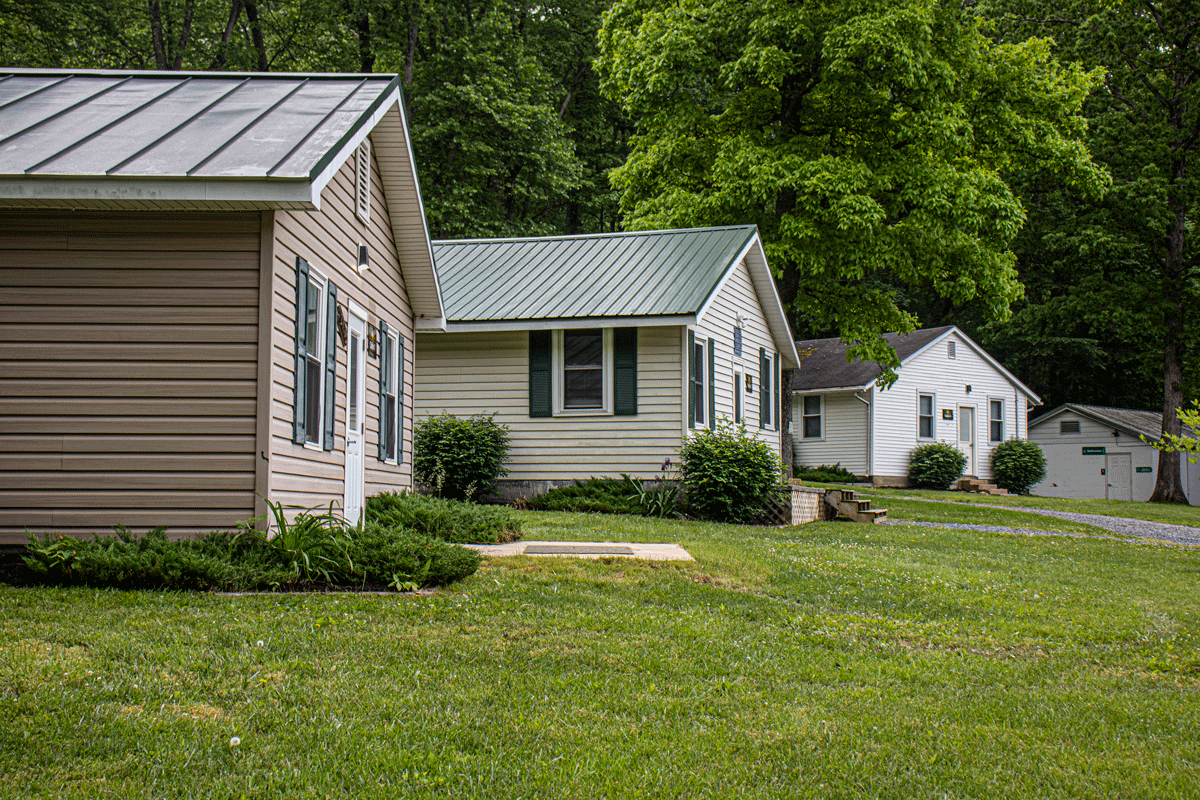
(979,487)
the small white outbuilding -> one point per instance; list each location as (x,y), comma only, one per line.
(1106,453)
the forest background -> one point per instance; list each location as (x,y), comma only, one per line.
(590,115)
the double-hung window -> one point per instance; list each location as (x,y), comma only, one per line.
(391,370)
(996,420)
(316,358)
(698,382)
(925,416)
(739,415)
(811,412)
(583,369)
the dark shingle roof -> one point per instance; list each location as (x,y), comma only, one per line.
(107,124)
(826,367)
(635,274)
(1129,420)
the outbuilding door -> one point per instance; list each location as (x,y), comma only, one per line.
(1119,476)
(966,436)
(355,412)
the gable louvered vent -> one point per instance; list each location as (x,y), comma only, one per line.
(362,181)
(1068,426)
(950,350)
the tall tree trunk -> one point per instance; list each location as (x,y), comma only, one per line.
(156,34)
(785,420)
(366,51)
(256,35)
(235,11)
(189,15)
(1168,488)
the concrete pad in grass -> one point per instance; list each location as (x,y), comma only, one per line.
(649,551)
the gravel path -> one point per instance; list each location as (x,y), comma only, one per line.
(1124,526)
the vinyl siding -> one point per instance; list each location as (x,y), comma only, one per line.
(932,372)
(844,420)
(128,375)
(488,373)
(1069,473)
(328,240)
(736,295)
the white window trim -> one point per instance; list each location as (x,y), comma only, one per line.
(393,337)
(933,415)
(702,385)
(558,366)
(820,417)
(1003,419)
(316,276)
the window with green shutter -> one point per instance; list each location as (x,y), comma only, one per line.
(539,374)
(764,389)
(316,358)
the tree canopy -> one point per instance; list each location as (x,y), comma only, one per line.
(870,142)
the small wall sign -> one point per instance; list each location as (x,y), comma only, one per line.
(1145,469)
(947,413)
(1093,451)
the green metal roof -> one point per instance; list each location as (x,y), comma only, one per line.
(635,274)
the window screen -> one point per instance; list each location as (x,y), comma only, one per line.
(996,420)
(583,368)
(925,416)
(812,417)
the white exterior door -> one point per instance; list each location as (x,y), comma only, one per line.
(1119,476)
(355,408)
(966,436)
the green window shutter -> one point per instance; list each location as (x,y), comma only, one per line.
(330,366)
(301,382)
(691,355)
(539,374)
(625,372)
(778,392)
(712,384)
(385,365)
(764,388)
(399,399)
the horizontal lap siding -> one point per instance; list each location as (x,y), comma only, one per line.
(843,434)
(328,240)
(128,347)
(488,373)
(1069,473)
(737,295)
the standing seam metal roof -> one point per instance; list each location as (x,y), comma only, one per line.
(211,125)
(634,274)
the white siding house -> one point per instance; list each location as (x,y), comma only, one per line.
(1098,452)
(948,389)
(601,352)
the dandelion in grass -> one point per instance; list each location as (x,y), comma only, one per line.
(234,741)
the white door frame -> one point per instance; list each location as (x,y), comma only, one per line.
(1125,487)
(356,396)
(967,445)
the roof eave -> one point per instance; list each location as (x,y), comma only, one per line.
(1029,393)
(487,326)
(176,192)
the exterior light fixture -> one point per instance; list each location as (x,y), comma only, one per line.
(364,258)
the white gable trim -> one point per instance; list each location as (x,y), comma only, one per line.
(1029,393)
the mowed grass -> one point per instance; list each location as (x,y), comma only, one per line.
(922,511)
(833,660)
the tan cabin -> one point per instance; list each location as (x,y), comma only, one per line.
(210,285)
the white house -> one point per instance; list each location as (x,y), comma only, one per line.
(1093,451)
(209,284)
(948,389)
(601,352)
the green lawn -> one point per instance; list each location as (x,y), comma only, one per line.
(1155,512)
(833,660)
(920,511)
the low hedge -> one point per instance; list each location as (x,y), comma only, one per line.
(448,520)
(595,495)
(825,474)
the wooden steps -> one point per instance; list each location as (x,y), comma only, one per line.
(979,487)
(847,503)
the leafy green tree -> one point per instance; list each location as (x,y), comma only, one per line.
(1138,279)
(869,141)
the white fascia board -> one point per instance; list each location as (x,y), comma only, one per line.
(428,324)
(832,390)
(772,305)
(725,276)
(264,192)
(1029,393)
(565,324)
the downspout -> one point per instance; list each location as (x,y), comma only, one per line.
(870,433)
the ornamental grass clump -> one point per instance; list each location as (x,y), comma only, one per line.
(728,474)
(1017,465)
(936,466)
(460,458)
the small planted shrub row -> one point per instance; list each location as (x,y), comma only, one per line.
(1017,465)
(313,550)
(448,520)
(936,465)
(824,474)
(595,495)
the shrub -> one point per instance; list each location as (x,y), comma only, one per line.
(825,474)
(602,495)
(936,465)
(448,520)
(460,458)
(403,558)
(1017,465)
(728,474)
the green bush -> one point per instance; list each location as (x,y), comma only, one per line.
(1017,465)
(936,465)
(404,558)
(449,520)
(729,475)
(459,458)
(599,495)
(825,474)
